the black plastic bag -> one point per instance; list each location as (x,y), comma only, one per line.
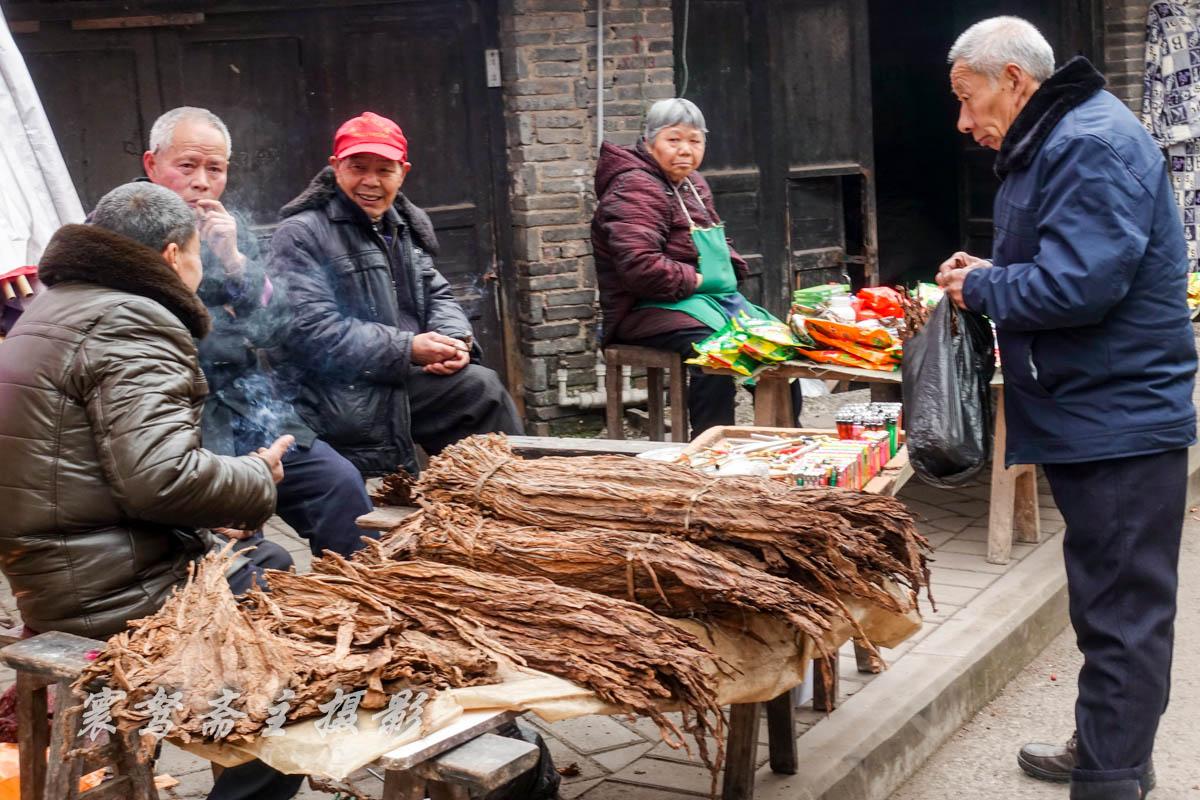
(947,371)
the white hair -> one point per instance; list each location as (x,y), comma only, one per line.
(162,134)
(988,46)
(671,112)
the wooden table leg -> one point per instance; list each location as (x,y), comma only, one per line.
(614,409)
(679,411)
(825,683)
(868,663)
(773,403)
(402,785)
(63,774)
(34,727)
(741,752)
(656,431)
(781,734)
(1003,496)
(1028,525)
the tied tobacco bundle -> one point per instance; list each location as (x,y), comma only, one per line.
(670,576)
(626,655)
(841,542)
(203,643)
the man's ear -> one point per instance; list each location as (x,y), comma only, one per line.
(170,255)
(333,161)
(1012,76)
(149,164)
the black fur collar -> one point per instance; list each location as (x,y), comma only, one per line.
(322,190)
(88,254)
(1070,85)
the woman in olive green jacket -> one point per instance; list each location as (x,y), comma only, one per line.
(103,480)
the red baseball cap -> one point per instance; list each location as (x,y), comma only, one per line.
(371,133)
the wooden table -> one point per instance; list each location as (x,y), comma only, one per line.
(1014,501)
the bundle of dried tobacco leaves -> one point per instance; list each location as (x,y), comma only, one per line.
(622,652)
(202,643)
(836,542)
(670,576)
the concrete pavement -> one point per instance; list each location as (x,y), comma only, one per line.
(980,759)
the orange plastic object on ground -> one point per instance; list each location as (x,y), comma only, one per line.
(10,774)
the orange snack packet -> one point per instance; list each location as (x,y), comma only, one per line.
(878,357)
(877,338)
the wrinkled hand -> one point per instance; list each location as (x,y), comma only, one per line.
(450,366)
(952,274)
(273,455)
(435,348)
(218,230)
(233,533)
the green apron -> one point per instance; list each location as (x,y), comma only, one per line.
(717,299)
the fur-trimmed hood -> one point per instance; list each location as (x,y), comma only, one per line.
(323,189)
(1070,85)
(88,254)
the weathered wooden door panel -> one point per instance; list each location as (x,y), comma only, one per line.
(283,81)
(1069,25)
(822,67)
(250,71)
(785,87)
(440,66)
(717,71)
(115,74)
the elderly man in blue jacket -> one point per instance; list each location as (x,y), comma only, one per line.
(1086,286)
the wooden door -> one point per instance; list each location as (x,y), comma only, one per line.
(283,76)
(786,93)
(1071,27)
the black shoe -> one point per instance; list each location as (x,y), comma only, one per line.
(1049,762)
(1054,763)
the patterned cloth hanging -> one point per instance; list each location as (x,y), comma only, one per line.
(1171,104)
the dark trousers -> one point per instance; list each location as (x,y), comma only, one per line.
(321,495)
(446,408)
(711,398)
(1124,523)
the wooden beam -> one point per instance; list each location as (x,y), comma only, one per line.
(147,21)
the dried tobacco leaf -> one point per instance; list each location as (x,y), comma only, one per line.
(670,576)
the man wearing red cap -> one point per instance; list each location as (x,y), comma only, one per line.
(379,351)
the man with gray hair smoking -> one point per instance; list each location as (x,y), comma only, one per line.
(322,493)
(1086,286)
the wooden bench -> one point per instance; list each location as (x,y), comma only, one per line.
(57,659)
(449,764)
(656,363)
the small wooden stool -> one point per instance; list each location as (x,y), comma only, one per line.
(655,362)
(57,659)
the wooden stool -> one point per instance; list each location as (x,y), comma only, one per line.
(57,659)
(655,362)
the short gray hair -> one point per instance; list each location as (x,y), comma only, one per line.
(987,46)
(147,213)
(670,112)
(162,133)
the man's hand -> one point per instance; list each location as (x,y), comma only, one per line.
(233,533)
(218,230)
(450,366)
(434,348)
(699,279)
(952,274)
(273,455)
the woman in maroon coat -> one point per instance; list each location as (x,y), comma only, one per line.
(667,272)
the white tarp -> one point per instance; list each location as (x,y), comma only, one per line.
(36,192)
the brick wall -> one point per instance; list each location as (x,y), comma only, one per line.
(1125,49)
(548,51)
